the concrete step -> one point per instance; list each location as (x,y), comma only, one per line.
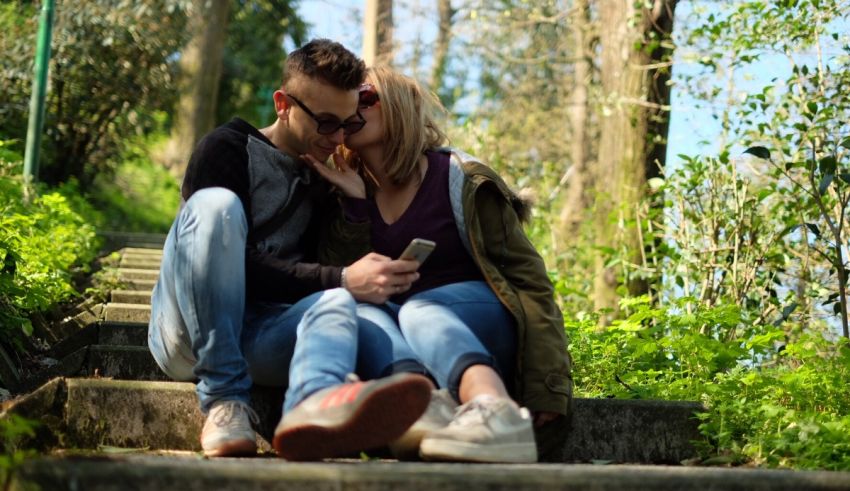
(139,263)
(138,285)
(127,312)
(130,296)
(124,240)
(102,333)
(189,473)
(129,274)
(115,362)
(141,251)
(109,412)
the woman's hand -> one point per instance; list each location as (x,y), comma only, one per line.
(344,177)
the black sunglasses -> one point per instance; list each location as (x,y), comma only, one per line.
(330,125)
(368,96)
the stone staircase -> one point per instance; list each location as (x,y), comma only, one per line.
(111,420)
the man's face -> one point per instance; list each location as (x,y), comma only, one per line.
(329,105)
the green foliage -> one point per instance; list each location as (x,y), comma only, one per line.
(793,413)
(141,196)
(525,82)
(42,246)
(12,429)
(111,65)
(254,56)
(772,399)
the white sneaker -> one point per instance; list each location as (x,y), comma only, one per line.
(485,429)
(227,431)
(438,415)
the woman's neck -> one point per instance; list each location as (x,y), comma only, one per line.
(373,158)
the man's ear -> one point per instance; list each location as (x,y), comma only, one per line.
(281,104)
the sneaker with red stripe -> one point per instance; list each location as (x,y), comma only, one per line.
(347,418)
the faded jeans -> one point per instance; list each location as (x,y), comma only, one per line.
(451,328)
(203,330)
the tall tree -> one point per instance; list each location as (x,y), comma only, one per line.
(378,33)
(635,69)
(441,50)
(200,73)
(579,178)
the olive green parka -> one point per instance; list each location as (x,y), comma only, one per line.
(489,219)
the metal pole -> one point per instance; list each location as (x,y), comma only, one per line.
(39,89)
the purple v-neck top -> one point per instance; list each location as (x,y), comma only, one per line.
(429,216)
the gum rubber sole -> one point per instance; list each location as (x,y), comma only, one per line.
(381,416)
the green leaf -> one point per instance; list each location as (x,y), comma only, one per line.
(758,151)
(814,228)
(812,107)
(825,182)
(846,143)
(786,312)
(828,165)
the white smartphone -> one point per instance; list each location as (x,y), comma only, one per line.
(418,249)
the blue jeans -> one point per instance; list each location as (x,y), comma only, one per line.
(202,328)
(451,328)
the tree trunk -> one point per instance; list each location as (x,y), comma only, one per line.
(577,199)
(634,71)
(378,33)
(200,74)
(441,50)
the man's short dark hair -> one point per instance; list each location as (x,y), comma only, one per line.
(328,61)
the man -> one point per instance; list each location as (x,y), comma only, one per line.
(247,294)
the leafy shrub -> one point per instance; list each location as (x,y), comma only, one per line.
(141,195)
(12,429)
(772,398)
(90,114)
(42,246)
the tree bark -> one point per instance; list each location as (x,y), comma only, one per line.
(577,199)
(378,33)
(441,50)
(634,120)
(200,74)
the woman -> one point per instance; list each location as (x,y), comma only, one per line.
(482,316)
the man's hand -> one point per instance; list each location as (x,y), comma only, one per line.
(374,278)
(343,177)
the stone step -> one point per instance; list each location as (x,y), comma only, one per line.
(138,285)
(109,361)
(127,312)
(137,263)
(124,240)
(165,415)
(102,333)
(143,252)
(130,296)
(188,472)
(129,274)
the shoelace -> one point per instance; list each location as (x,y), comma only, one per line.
(231,410)
(473,412)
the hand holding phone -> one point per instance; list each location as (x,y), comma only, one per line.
(418,249)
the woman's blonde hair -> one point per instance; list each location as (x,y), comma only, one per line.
(408,111)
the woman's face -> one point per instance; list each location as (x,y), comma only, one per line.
(370,109)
